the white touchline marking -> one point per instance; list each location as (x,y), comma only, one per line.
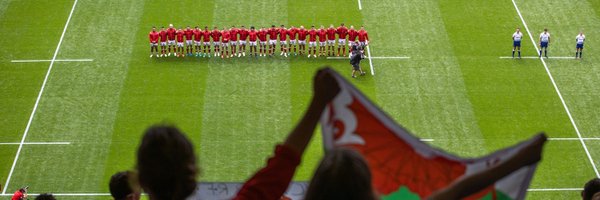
(553,189)
(370,61)
(559,94)
(359,5)
(573,138)
(426,140)
(536,57)
(34,143)
(375,57)
(37,101)
(57,60)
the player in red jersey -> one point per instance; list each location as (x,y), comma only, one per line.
(153,35)
(322,40)
(197,41)
(171,31)
(225,36)
(272,39)
(330,40)
(233,37)
(292,33)
(252,37)
(283,40)
(206,42)
(163,42)
(342,32)
(302,39)
(216,38)
(312,44)
(363,37)
(180,34)
(262,36)
(243,37)
(352,34)
(189,40)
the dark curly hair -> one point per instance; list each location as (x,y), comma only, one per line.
(166,163)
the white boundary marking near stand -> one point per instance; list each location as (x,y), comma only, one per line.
(587,152)
(536,57)
(375,57)
(56,60)
(37,101)
(34,143)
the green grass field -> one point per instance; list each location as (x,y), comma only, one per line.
(454,88)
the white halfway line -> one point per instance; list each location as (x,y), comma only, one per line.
(37,101)
(56,60)
(359,5)
(374,57)
(553,189)
(536,57)
(587,152)
(34,143)
(370,61)
(573,138)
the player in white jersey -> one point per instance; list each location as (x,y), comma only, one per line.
(579,49)
(544,40)
(517,36)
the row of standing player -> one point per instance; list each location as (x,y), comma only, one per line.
(544,40)
(233,41)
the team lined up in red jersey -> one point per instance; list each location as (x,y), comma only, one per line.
(230,42)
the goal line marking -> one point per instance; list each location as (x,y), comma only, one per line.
(587,152)
(37,101)
(57,60)
(536,57)
(35,143)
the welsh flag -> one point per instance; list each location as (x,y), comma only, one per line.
(402,166)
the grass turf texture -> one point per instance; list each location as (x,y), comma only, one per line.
(454,89)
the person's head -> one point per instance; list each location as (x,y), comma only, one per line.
(330,25)
(545,29)
(162,28)
(312,27)
(251,27)
(243,27)
(342,25)
(590,188)
(154,29)
(196,27)
(170,25)
(282,26)
(351,27)
(342,174)
(301,26)
(518,29)
(232,27)
(187,27)
(362,27)
(272,26)
(166,163)
(205,27)
(45,196)
(322,27)
(122,186)
(215,28)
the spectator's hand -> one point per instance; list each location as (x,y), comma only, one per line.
(325,86)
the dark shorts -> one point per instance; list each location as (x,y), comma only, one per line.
(544,44)
(580,46)
(355,67)
(516,43)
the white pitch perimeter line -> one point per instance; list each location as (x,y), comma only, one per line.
(359,5)
(380,57)
(37,101)
(536,57)
(35,143)
(370,61)
(559,94)
(68,194)
(553,189)
(57,60)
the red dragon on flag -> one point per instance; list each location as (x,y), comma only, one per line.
(402,166)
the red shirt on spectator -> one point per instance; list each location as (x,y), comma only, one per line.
(272,180)
(18,195)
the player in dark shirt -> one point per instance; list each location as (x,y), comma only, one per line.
(356,56)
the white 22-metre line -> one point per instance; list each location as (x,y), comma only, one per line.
(558,92)
(37,101)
